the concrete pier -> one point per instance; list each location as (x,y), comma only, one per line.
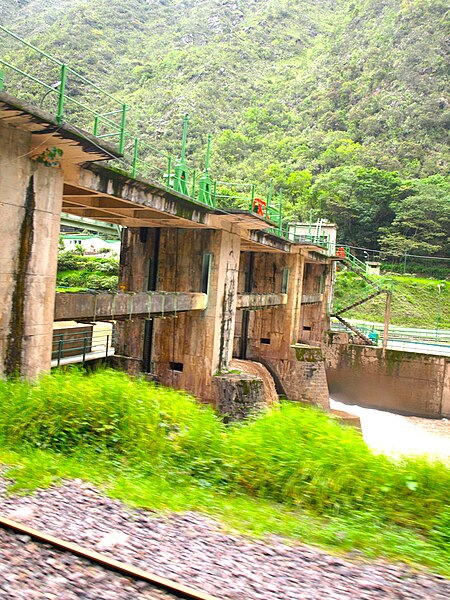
(30,203)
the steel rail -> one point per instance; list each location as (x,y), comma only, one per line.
(176,589)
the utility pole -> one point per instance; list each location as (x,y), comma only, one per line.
(387,318)
(438,316)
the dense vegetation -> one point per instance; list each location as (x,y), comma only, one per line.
(293,470)
(79,272)
(343,104)
(415,302)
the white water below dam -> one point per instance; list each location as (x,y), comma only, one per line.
(398,435)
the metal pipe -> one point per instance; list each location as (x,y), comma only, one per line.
(60,345)
(387,318)
(169,173)
(62,91)
(135,157)
(84,349)
(122,129)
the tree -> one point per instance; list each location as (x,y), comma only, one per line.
(422,220)
(359,200)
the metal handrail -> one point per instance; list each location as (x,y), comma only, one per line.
(79,346)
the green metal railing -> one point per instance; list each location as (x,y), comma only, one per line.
(71,97)
(398,333)
(357,264)
(101,114)
(80,346)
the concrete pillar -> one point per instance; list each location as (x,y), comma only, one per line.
(190,348)
(30,207)
(274,332)
(317,284)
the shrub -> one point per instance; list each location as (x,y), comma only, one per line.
(68,261)
(101,282)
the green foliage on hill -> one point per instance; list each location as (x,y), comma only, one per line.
(415,302)
(343,103)
(155,446)
(87,272)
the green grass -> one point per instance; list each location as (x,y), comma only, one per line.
(293,472)
(416,302)
(86,279)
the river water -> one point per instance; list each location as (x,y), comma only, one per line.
(396,434)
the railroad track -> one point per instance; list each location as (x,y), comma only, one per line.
(169,589)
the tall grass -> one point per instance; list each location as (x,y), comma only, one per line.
(296,456)
(109,412)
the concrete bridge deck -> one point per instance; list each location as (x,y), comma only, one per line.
(115,306)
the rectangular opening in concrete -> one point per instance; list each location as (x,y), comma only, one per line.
(285,281)
(148,346)
(206,272)
(265,340)
(176,366)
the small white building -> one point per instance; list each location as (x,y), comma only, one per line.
(90,244)
(373,267)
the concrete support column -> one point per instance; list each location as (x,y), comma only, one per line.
(137,262)
(30,207)
(191,348)
(188,349)
(273,332)
(445,402)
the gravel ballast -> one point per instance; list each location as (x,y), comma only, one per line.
(189,548)
(31,570)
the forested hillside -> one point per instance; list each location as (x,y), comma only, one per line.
(343,103)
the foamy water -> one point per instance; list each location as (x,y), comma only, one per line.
(396,435)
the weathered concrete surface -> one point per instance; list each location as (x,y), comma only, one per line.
(189,349)
(77,146)
(239,395)
(120,305)
(201,343)
(258,370)
(315,298)
(30,206)
(317,283)
(445,408)
(303,375)
(404,382)
(103,190)
(166,248)
(256,301)
(270,334)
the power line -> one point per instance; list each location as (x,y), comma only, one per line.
(400,256)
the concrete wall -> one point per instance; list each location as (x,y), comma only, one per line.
(190,348)
(404,382)
(273,332)
(316,284)
(30,206)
